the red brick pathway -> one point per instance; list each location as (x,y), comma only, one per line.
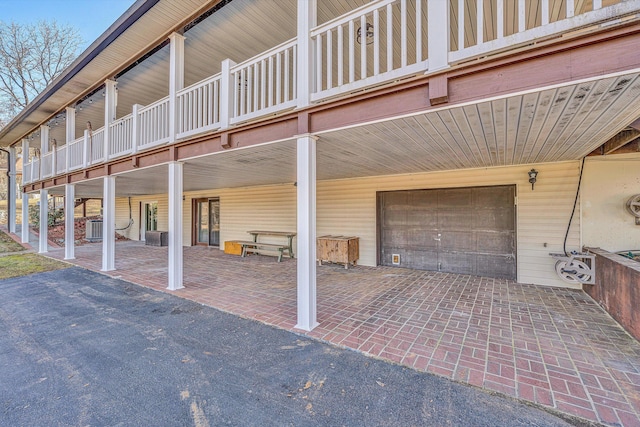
(552,346)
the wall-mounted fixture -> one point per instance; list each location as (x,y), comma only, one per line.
(368,34)
(533,176)
(633,207)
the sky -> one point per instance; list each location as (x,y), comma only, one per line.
(90,17)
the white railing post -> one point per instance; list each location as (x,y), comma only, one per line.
(86,147)
(176,80)
(135,124)
(25,160)
(227,90)
(44,148)
(307,19)
(70,134)
(438,24)
(110,103)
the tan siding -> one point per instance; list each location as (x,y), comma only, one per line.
(608,182)
(348,207)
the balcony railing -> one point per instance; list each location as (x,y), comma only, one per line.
(373,45)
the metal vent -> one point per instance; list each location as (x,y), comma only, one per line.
(93,231)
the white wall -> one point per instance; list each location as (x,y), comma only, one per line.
(608,182)
(348,207)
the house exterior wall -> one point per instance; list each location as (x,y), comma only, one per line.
(348,207)
(608,182)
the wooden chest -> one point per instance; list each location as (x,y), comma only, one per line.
(338,249)
(232,247)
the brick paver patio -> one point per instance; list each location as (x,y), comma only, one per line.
(555,347)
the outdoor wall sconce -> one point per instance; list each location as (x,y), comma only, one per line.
(533,175)
(368,34)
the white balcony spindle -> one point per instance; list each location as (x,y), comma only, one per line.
(570,8)
(351,60)
(418,31)
(340,56)
(545,12)
(329,60)
(480,23)
(597,4)
(363,47)
(376,42)
(500,18)
(403,32)
(461,24)
(522,16)
(390,37)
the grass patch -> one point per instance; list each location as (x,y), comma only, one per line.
(22,265)
(7,244)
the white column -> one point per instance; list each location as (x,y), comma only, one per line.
(110,104)
(175,226)
(25,196)
(24,238)
(109,224)
(69,223)
(11,190)
(44,216)
(306,174)
(307,19)
(438,12)
(176,80)
(227,90)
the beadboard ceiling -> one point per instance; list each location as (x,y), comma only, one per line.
(549,125)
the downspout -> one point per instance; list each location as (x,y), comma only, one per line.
(9,189)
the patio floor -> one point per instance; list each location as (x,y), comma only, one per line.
(555,347)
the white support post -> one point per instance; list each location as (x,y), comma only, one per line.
(306,187)
(438,12)
(109,224)
(11,190)
(24,231)
(44,216)
(227,91)
(110,104)
(176,80)
(69,221)
(307,19)
(70,134)
(175,278)
(25,196)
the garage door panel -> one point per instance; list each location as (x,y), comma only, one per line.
(423,239)
(395,237)
(460,230)
(494,219)
(457,262)
(458,241)
(422,218)
(495,243)
(501,267)
(455,197)
(493,196)
(424,198)
(455,219)
(420,259)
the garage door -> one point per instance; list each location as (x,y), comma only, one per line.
(457,230)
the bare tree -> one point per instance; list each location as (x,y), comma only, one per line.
(31,57)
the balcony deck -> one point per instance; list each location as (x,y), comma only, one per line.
(407,43)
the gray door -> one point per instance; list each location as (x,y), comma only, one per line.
(458,230)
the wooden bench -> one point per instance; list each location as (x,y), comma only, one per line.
(263,248)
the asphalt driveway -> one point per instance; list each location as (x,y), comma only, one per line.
(78,348)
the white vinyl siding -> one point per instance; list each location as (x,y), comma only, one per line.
(348,207)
